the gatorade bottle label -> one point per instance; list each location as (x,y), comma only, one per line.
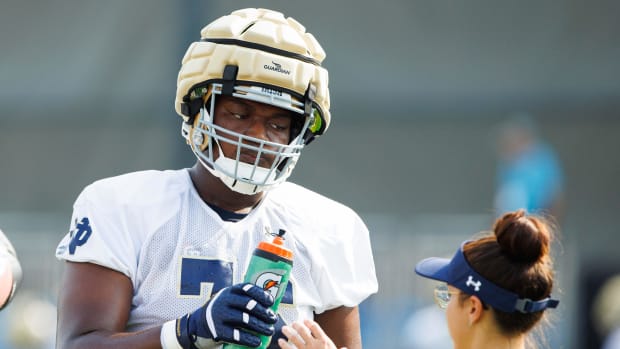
(270,281)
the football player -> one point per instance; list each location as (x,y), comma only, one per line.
(155,259)
(10,271)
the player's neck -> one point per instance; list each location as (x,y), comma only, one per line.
(214,192)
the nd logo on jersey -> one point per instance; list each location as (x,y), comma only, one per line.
(80,235)
(270,282)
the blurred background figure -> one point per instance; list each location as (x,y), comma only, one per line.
(606,312)
(529,174)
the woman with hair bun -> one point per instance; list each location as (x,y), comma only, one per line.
(495,289)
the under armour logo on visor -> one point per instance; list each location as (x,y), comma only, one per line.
(475,284)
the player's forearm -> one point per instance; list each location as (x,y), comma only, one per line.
(342,325)
(147,339)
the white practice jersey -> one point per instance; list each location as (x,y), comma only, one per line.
(153,227)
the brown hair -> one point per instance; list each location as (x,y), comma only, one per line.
(515,256)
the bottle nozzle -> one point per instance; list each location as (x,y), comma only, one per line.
(279,238)
(276,246)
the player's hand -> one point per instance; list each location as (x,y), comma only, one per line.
(308,335)
(273,344)
(236,314)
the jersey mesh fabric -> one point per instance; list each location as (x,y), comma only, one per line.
(196,232)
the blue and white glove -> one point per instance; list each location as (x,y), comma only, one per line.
(236,314)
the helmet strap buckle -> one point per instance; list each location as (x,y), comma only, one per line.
(228,79)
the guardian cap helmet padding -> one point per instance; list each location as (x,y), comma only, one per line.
(260,55)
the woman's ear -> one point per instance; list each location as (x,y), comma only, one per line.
(475,308)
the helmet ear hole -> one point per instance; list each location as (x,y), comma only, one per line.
(198,138)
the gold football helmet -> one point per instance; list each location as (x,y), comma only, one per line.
(260,55)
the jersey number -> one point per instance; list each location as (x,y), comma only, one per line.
(215,274)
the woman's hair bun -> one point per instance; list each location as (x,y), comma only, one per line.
(523,238)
